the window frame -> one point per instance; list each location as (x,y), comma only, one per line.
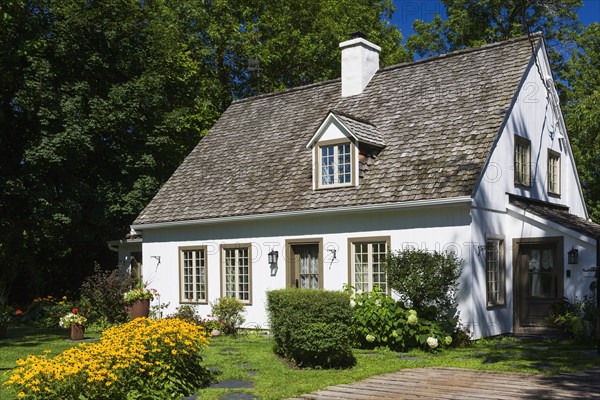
(553,155)
(318,175)
(182,298)
(222,252)
(351,259)
(498,299)
(526,145)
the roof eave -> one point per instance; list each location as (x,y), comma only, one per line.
(447,201)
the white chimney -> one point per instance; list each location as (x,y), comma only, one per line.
(360,61)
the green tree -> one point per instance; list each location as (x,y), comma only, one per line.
(582,113)
(106,100)
(100,101)
(473,23)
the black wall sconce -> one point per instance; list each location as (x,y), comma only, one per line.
(573,256)
(273,257)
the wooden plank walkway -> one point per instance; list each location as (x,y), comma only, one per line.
(456,383)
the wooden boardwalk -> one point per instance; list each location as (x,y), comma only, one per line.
(456,383)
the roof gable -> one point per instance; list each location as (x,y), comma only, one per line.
(358,130)
(437,117)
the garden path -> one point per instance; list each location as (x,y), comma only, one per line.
(456,383)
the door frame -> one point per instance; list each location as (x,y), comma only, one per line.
(558,242)
(289,253)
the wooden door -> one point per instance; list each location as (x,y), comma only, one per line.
(305,266)
(538,283)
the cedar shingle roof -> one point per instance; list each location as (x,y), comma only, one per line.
(438,118)
(363,130)
(558,214)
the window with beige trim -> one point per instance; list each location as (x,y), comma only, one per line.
(522,161)
(494,267)
(553,172)
(334,165)
(367,264)
(192,274)
(235,273)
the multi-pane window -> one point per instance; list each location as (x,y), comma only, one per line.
(553,172)
(522,161)
(193,275)
(236,273)
(336,165)
(494,272)
(368,265)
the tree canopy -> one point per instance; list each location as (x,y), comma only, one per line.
(100,101)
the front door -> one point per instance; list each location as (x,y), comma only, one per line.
(304,266)
(538,282)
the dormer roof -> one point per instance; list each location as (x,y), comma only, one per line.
(359,130)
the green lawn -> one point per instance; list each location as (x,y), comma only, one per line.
(250,357)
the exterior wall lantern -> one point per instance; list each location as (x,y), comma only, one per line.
(573,256)
(273,257)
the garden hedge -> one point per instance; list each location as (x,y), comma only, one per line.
(311,327)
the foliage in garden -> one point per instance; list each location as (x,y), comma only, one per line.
(229,311)
(380,321)
(576,320)
(46,312)
(103,293)
(142,359)
(426,281)
(189,313)
(311,327)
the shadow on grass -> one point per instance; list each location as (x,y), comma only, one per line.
(27,336)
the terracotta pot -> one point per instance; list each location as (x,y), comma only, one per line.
(3,331)
(77,332)
(139,308)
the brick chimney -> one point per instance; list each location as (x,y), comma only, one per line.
(360,61)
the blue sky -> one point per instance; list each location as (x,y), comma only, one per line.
(409,10)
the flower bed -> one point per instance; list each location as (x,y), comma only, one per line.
(141,359)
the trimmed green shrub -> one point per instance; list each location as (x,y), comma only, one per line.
(426,281)
(379,321)
(228,311)
(311,327)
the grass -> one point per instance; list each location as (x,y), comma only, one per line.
(250,357)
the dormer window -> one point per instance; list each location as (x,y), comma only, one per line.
(338,145)
(336,162)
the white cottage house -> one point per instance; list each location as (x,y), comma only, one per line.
(311,187)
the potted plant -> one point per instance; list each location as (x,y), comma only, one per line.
(139,299)
(74,321)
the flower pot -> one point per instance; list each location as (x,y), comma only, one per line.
(139,308)
(77,332)
(3,331)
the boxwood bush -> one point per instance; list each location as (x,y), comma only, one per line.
(311,327)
